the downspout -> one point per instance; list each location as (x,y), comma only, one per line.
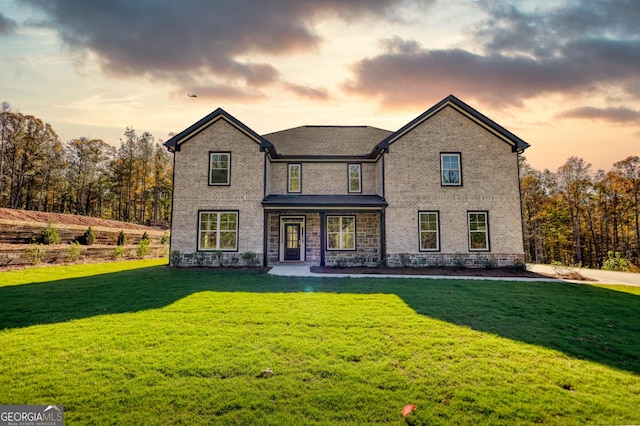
(265,229)
(322,239)
(173,194)
(524,249)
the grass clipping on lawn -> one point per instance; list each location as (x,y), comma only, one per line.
(139,343)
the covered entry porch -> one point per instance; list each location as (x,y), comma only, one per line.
(324,229)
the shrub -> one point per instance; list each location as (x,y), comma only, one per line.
(520,266)
(199,258)
(73,252)
(145,236)
(49,235)
(341,262)
(143,248)
(89,237)
(405,259)
(118,252)
(488,262)
(382,262)
(615,262)
(235,260)
(250,258)
(122,238)
(175,258)
(218,256)
(35,253)
(164,239)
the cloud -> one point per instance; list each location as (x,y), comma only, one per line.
(319,94)
(589,47)
(613,115)
(199,41)
(7,26)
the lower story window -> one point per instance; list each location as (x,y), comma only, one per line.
(218,231)
(478,231)
(341,233)
(429,232)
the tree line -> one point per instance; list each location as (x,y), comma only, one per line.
(577,216)
(83,176)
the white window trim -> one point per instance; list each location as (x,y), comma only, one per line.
(359,166)
(450,154)
(218,231)
(340,233)
(437,231)
(289,166)
(486,231)
(228,169)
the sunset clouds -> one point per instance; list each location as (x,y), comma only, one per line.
(562,74)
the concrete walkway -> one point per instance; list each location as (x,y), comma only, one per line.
(601,277)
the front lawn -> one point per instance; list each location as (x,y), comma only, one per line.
(139,343)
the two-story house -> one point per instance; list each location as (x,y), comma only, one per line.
(441,190)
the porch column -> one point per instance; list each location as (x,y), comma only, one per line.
(265,238)
(383,232)
(322,241)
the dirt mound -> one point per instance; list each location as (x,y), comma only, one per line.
(11,215)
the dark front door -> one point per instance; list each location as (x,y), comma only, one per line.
(292,241)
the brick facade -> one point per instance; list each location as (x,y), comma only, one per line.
(192,193)
(407,177)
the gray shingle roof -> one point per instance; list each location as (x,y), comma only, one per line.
(327,140)
(288,200)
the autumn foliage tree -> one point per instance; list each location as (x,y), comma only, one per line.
(84,176)
(576,216)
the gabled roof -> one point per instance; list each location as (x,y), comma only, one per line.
(174,143)
(516,143)
(314,141)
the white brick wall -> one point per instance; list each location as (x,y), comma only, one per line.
(490,182)
(323,178)
(192,192)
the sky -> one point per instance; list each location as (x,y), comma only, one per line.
(562,75)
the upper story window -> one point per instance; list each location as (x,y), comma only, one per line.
(294,177)
(219,168)
(341,232)
(218,230)
(451,169)
(355,177)
(429,231)
(478,231)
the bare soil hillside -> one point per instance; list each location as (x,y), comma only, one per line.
(10,215)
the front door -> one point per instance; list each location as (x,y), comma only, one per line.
(292,241)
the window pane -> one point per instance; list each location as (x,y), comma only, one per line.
(334,241)
(333,224)
(207,240)
(348,241)
(348,224)
(450,169)
(354,177)
(428,241)
(228,240)
(219,172)
(478,240)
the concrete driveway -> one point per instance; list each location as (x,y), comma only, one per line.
(597,275)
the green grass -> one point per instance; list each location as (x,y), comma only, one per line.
(138,343)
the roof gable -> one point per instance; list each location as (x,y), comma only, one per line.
(174,143)
(506,136)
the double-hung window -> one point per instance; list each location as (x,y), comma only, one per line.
(478,231)
(341,232)
(294,177)
(355,177)
(219,168)
(429,231)
(450,169)
(218,230)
